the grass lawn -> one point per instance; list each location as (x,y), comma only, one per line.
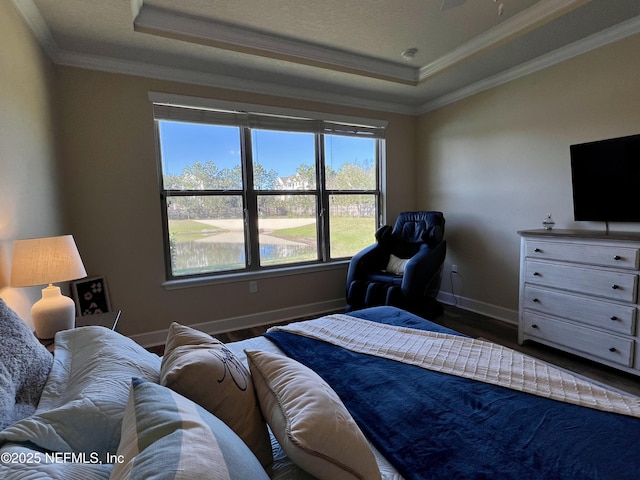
(190,229)
(348,235)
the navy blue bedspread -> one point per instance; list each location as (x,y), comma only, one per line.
(431,425)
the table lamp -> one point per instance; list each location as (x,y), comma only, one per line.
(45,261)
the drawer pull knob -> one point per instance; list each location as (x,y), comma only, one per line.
(615,287)
(612,349)
(535,300)
(617,257)
(536,274)
(537,250)
(534,326)
(614,318)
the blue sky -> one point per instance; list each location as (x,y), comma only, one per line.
(186,143)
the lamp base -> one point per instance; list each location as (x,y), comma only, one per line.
(52,313)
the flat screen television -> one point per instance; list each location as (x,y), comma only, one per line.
(606,180)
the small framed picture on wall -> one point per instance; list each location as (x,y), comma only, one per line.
(91,296)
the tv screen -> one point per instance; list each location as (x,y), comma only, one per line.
(606,180)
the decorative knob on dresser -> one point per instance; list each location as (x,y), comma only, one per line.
(617,257)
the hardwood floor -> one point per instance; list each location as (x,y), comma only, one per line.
(476,325)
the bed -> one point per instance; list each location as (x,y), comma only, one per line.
(378,394)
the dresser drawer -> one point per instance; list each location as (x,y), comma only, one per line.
(601,255)
(610,316)
(588,281)
(583,339)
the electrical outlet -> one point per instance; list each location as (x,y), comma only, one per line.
(253,286)
(454,268)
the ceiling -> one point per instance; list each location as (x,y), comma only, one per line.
(339,51)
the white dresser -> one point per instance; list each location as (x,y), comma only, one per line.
(579,293)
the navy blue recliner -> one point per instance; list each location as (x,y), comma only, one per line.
(403,268)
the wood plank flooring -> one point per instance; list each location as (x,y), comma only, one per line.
(476,325)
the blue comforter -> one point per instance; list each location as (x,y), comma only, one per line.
(432,425)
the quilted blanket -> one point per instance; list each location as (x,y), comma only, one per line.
(80,413)
(430,424)
(464,357)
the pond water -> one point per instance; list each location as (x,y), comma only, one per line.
(193,257)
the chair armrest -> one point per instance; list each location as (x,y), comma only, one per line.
(434,236)
(420,268)
(372,258)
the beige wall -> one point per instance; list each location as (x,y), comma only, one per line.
(109,159)
(494,163)
(497,162)
(29,201)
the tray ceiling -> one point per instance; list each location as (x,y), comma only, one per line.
(341,51)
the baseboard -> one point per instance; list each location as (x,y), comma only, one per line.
(158,337)
(493,311)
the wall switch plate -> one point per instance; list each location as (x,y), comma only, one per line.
(253,286)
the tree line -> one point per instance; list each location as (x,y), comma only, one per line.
(219,200)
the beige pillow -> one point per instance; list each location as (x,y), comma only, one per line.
(205,371)
(396,265)
(309,420)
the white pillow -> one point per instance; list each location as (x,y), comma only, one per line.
(205,371)
(309,420)
(396,265)
(167,436)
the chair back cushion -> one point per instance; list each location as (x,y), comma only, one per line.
(413,229)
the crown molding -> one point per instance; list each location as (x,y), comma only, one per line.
(33,18)
(525,21)
(597,40)
(261,86)
(168,23)
(38,26)
(171,24)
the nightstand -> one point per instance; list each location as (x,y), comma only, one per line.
(108,320)
(46,342)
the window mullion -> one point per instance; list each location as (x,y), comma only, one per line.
(323,200)
(250,199)
(380,162)
(168,253)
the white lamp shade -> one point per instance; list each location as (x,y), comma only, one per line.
(42,261)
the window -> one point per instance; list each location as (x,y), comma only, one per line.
(245,192)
